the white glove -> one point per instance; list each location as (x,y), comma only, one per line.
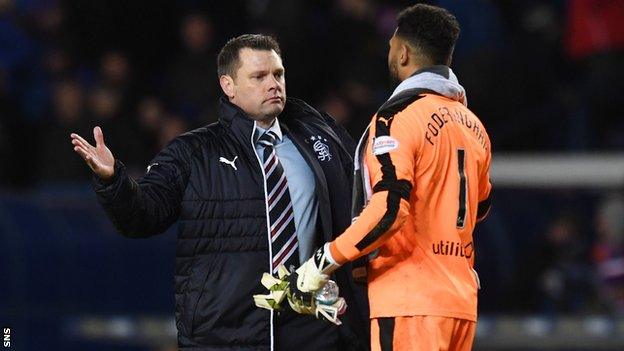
(323,302)
(314,273)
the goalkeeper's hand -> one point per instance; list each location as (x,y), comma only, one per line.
(314,273)
(285,286)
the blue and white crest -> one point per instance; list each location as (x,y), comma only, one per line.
(320,147)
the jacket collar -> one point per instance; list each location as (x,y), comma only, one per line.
(243,127)
(229,113)
(237,121)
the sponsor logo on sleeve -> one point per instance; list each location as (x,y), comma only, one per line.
(384,144)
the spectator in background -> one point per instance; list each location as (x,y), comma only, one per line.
(564,274)
(150,113)
(362,65)
(44,22)
(57,63)
(172,126)
(18,56)
(595,41)
(115,74)
(8,113)
(190,85)
(355,19)
(338,107)
(105,110)
(157,127)
(53,67)
(67,116)
(608,252)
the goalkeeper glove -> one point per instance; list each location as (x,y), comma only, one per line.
(325,304)
(314,273)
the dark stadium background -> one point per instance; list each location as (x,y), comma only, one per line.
(546,78)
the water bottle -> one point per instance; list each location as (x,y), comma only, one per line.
(328,294)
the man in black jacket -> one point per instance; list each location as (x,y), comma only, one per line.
(250,192)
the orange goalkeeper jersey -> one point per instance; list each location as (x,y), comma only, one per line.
(427,161)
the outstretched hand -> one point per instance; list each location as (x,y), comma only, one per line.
(99,158)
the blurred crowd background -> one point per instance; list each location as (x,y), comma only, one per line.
(544,76)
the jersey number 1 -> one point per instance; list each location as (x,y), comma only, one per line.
(463,188)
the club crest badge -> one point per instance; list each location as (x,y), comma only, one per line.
(319,144)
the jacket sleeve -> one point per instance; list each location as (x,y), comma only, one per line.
(149,205)
(390,160)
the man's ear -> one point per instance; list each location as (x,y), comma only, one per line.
(404,55)
(227,85)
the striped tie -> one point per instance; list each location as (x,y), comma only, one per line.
(283,233)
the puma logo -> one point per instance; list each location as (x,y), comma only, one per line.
(231,163)
(385,120)
(319,254)
(149,168)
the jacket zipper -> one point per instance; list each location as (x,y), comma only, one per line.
(266,206)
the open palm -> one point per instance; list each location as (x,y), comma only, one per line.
(98,157)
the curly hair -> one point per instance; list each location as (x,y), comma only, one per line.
(430,29)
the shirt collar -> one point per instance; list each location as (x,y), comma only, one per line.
(275,128)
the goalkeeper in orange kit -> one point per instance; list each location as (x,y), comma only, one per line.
(423,168)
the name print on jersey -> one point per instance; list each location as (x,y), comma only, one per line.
(438,121)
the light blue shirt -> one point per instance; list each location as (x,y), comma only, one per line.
(301,186)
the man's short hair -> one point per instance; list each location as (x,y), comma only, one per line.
(430,29)
(228,60)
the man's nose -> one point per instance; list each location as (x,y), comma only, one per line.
(274,83)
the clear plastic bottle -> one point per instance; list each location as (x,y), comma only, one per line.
(328,294)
